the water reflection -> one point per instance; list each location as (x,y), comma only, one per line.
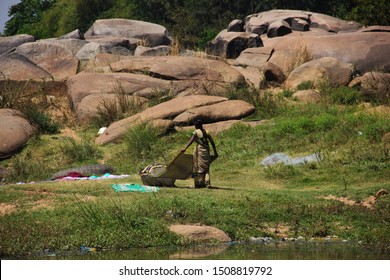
(271,251)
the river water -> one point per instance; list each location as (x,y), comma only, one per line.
(271,251)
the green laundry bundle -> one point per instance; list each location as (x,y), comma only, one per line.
(134,188)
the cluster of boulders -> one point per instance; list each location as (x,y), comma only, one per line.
(134,58)
(333,47)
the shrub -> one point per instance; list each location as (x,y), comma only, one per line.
(78,151)
(43,121)
(267,105)
(325,122)
(287,93)
(298,57)
(345,95)
(142,144)
(25,168)
(121,107)
(297,127)
(306,85)
(30,99)
(206,36)
(377,88)
(160,96)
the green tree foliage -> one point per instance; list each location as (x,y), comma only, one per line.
(370,12)
(191,21)
(26,17)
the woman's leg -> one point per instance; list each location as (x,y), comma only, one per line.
(199,180)
(207,179)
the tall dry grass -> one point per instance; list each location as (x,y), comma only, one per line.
(298,56)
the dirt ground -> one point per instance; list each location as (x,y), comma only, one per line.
(368,202)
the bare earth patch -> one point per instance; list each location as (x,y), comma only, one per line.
(70,133)
(6,208)
(280,230)
(47,201)
(368,202)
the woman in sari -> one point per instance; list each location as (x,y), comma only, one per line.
(201,157)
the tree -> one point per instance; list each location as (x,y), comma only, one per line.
(25,15)
(370,12)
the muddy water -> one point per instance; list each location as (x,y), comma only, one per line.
(270,251)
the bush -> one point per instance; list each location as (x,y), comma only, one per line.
(376,88)
(78,151)
(267,105)
(298,127)
(43,121)
(325,122)
(30,99)
(206,36)
(306,85)
(142,145)
(24,168)
(298,57)
(121,107)
(345,95)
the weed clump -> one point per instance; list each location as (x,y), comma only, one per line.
(298,57)
(79,151)
(120,107)
(31,101)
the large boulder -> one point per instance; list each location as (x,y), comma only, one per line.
(84,84)
(90,50)
(90,105)
(368,51)
(75,34)
(7,44)
(307,96)
(231,44)
(167,110)
(156,51)
(236,25)
(73,45)
(329,68)
(227,110)
(152,34)
(259,23)
(332,24)
(375,85)
(278,28)
(218,127)
(375,28)
(175,68)
(297,20)
(298,24)
(55,59)
(273,73)
(15,131)
(17,67)
(254,77)
(255,57)
(200,233)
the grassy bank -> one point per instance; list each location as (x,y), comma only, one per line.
(249,200)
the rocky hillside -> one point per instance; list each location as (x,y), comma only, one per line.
(140,59)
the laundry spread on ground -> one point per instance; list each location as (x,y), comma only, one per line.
(74,176)
(281,158)
(134,188)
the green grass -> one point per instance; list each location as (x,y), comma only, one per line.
(248,200)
